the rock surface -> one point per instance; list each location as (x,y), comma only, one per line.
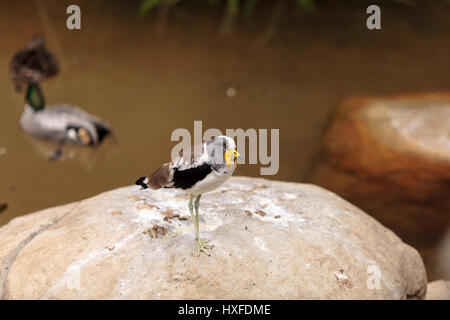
(272,240)
(390,156)
(438,290)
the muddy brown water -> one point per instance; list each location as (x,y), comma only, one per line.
(147,84)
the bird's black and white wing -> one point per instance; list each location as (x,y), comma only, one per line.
(182,173)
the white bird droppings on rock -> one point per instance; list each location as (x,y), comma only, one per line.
(260,243)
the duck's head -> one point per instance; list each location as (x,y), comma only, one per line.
(33,64)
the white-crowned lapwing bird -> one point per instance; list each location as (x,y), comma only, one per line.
(62,124)
(204,169)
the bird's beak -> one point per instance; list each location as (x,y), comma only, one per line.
(230,153)
(237,155)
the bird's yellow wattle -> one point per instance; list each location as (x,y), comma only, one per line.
(228,155)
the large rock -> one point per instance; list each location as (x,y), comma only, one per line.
(272,240)
(390,156)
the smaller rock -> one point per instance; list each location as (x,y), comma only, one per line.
(438,290)
(390,156)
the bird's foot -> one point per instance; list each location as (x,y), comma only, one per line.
(202,245)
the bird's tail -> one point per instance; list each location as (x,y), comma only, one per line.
(143,182)
(104,131)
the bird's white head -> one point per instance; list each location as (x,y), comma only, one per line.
(222,150)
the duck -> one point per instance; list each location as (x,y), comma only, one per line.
(61,124)
(203,169)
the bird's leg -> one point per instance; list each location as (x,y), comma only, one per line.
(196,205)
(58,153)
(191,209)
(202,245)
